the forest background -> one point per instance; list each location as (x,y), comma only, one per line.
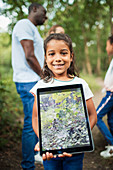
(87,22)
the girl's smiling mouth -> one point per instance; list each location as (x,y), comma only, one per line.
(58,65)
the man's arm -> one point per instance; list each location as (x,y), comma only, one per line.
(30,56)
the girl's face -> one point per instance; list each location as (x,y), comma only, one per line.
(58,58)
(109,48)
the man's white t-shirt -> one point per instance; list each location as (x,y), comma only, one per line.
(108,81)
(41,84)
(25,29)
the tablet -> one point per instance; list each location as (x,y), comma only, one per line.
(63,120)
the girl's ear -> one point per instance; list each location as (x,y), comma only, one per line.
(72,55)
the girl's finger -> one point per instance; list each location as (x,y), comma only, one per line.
(61,155)
(44,157)
(67,154)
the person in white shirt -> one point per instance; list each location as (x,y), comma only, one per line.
(27,62)
(106,105)
(58,71)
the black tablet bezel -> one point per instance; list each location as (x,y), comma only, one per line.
(72,150)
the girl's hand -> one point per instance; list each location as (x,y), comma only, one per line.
(37,148)
(48,156)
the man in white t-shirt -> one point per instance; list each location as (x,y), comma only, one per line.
(27,62)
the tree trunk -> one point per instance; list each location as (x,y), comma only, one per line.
(98,70)
(111,16)
(88,64)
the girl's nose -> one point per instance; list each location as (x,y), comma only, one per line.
(58,58)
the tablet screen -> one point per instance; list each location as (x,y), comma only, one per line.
(63,120)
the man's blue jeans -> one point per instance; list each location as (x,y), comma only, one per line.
(67,163)
(29,138)
(106,107)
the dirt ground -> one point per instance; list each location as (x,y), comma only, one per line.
(10,157)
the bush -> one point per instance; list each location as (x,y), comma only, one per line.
(11,111)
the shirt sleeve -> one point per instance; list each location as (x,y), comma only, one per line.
(26,31)
(87,92)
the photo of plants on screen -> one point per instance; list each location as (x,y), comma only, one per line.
(63,122)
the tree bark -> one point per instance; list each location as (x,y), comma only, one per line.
(98,70)
(88,64)
(111,16)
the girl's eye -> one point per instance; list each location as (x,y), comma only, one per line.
(51,54)
(64,53)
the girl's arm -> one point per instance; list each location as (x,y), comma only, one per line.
(35,117)
(92,112)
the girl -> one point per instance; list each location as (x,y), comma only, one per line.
(106,105)
(59,70)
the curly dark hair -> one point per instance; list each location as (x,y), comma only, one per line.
(47,74)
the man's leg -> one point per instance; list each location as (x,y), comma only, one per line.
(29,138)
